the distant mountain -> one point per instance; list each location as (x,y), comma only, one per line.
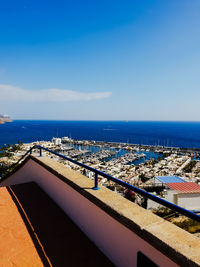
(4,118)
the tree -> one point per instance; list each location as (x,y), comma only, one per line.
(143,178)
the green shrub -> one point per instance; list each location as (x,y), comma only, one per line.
(190,166)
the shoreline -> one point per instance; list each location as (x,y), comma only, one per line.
(126,146)
(139,146)
(137,165)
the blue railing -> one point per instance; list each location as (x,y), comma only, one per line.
(139,191)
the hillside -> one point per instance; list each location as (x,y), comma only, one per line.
(4,118)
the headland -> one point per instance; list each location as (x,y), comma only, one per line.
(4,118)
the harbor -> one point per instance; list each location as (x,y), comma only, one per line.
(125,161)
(153,169)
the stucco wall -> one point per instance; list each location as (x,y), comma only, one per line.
(189,201)
(116,241)
(170,195)
(152,204)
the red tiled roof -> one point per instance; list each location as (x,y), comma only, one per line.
(187,187)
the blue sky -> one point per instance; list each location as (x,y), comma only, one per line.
(100,60)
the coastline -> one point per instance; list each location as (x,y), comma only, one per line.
(4,119)
(136,165)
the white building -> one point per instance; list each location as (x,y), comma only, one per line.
(56,141)
(186,195)
(66,139)
(179,192)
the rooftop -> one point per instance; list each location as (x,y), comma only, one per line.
(170,179)
(187,187)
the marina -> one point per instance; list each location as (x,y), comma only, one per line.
(127,161)
(133,164)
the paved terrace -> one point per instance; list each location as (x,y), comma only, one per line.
(34,231)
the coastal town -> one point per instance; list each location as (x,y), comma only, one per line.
(121,160)
(134,164)
(169,173)
(124,161)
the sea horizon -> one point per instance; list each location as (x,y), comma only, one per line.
(156,133)
(176,121)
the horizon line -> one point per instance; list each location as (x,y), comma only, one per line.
(100,120)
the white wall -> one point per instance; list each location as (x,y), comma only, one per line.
(152,204)
(116,241)
(189,201)
(170,195)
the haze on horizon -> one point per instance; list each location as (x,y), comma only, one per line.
(100,60)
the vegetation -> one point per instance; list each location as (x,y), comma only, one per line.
(188,225)
(153,161)
(190,166)
(150,162)
(163,211)
(181,221)
(8,151)
(167,154)
(3,168)
(143,178)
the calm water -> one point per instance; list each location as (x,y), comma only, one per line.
(177,134)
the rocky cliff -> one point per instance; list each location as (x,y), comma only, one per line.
(4,118)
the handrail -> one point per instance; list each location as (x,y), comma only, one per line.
(139,191)
(16,163)
(161,201)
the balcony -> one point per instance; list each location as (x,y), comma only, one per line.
(121,232)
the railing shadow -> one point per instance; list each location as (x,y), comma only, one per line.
(58,241)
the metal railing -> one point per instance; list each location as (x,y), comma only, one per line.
(139,191)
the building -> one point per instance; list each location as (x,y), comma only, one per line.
(66,139)
(186,195)
(56,141)
(167,179)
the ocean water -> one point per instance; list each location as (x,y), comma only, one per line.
(175,134)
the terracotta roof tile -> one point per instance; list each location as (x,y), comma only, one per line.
(187,187)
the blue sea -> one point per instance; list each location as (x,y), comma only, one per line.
(173,134)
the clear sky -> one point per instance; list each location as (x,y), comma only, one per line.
(100,59)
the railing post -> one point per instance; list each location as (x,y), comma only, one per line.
(96,182)
(40,152)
